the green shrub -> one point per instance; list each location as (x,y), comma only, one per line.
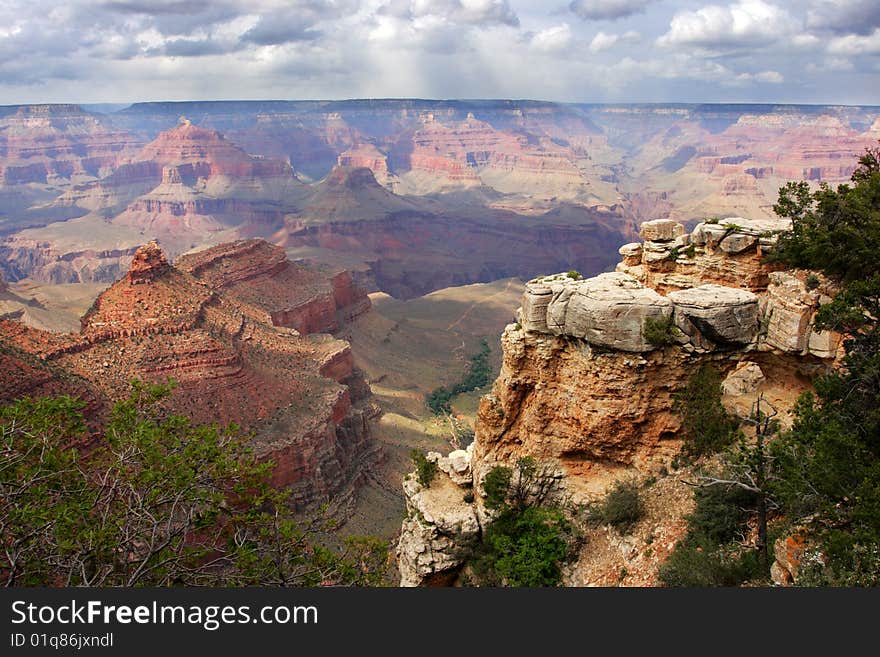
(660,332)
(496,485)
(574,275)
(524,548)
(425,469)
(720,514)
(706,425)
(695,563)
(622,507)
(812,282)
(710,553)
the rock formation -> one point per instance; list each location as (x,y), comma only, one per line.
(586,388)
(307,406)
(259,274)
(58,145)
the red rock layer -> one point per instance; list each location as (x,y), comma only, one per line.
(259,274)
(47,143)
(461,150)
(230,364)
(202,152)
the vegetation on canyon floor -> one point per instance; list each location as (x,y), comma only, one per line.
(159,502)
(478,372)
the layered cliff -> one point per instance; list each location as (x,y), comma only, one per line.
(586,385)
(58,144)
(307,406)
(259,274)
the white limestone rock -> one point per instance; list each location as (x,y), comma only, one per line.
(457,466)
(438,534)
(608,310)
(631,253)
(716,313)
(788,312)
(744,380)
(653,252)
(661,230)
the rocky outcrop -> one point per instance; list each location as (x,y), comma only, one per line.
(584,389)
(440,528)
(259,274)
(147,264)
(608,310)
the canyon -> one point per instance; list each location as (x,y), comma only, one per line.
(285,261)
(410,195)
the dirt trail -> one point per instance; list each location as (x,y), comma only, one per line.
(478,303)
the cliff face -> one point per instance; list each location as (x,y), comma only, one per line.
(308,407)
(57,144)
(584,389)
(259,274)
(414,253)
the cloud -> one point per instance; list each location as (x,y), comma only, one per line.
(283,27)
(553,39)
(192,48)
(830,65)
(746,23)
(844,16)
(856,44)
(769,77)
(600,10)
(470,12)
(604,41)
(805,41)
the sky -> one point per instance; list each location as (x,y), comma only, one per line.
(121,51)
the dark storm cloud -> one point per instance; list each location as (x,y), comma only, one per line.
(176,16)
(295,23)
(158,8)
(597,10)
(192,48)
(844,16)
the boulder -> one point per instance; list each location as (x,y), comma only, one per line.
(457,465)
(788,313)
(744,380)
(631,253)
(608,310)
(824,344)
(661,230)
(533,314)
(653,252)
(738,242)
(717,313)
